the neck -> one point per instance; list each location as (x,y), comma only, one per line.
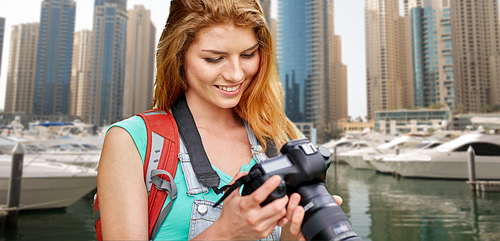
(206,114)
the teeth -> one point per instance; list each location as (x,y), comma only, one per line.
(229,89)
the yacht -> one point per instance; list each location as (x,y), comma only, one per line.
(66,150)
(377,161)
(48,185)
(450,160)
(357,158)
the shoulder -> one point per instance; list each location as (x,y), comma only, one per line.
(133,127)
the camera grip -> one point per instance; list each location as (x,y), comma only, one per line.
(278,193)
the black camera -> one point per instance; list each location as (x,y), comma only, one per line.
(302,168)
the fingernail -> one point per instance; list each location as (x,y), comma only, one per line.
(341,200)
(276,179)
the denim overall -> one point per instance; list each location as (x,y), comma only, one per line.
(203,213)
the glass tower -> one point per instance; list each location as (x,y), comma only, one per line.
(108,61)
(432,54)
(54,56)
(310,63)
(293,58)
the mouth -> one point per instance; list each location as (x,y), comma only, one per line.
(229,88)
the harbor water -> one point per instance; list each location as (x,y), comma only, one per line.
(380,208)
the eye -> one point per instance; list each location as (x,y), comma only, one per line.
(248,55)
(216,60)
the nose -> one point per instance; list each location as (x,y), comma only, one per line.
(233,72)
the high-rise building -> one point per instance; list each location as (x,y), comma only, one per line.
(108,61)
(140,62)
(2,30)
(55,49)
(409,4)
(433,77)
(266,6)
(275,33)
(22,68)
(387,57)
(310,66)
(475,45)
(80,75)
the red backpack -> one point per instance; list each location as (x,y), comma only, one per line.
(160,165)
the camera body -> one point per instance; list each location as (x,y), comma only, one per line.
(302,168)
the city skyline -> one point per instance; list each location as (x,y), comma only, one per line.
(349,25)
(84,14)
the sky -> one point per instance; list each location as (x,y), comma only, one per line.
(349,24)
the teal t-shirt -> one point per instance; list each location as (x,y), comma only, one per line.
(176,224)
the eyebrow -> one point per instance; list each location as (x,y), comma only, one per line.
(219,52)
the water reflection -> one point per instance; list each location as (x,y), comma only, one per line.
(73,223)
(383,207)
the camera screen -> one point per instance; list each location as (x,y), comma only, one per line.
(276,165)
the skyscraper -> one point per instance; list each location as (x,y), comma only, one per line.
(108,61)
(55,49)
(410,4)
(387,56)
(80,75)
(309,61)
(433,79)
(2,30)
(475,45)
(139,76)
(266,6)
(22,68)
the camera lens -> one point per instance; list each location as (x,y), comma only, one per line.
(323,219)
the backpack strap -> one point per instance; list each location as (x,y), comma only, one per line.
(160,165)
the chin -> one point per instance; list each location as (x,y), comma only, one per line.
(228,104)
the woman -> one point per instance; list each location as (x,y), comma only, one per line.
(218,55)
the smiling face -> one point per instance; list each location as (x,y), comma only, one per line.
(219,65)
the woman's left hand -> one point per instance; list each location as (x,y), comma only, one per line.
(295,214)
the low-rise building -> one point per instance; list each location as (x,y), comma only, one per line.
(355,126)
(412,121)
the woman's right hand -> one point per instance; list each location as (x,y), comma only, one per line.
(242,217)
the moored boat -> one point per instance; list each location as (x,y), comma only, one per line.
(450,160)
(48,185)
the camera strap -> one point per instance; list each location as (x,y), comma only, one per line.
(238,183)
(192,140)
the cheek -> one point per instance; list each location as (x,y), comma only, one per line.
(253,67)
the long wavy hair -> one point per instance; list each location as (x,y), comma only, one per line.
(261,104)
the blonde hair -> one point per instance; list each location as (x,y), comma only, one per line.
(261,104)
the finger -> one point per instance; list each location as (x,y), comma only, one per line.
(338,199)
(261,194)
(282,222)
(292,204)
(296,222)
(274,213)
(302,238)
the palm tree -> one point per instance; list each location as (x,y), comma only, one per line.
(459,109)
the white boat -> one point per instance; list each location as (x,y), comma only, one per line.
(450,160)
(48,185)
(378,164)
(357,158)
(361,141)
(65,150)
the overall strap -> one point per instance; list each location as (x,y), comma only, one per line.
(160,165)
(257,152)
